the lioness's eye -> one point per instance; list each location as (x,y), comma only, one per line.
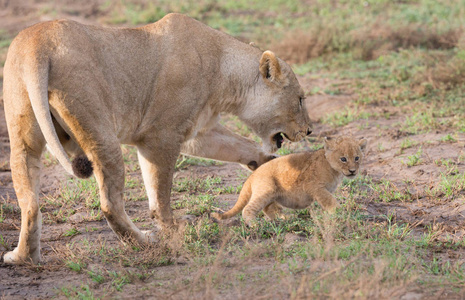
(301,101)
(343,159)
(357,158)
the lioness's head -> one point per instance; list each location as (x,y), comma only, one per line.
(345,154)
(277,109)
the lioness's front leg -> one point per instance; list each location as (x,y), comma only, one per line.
(157,171)
(222,144)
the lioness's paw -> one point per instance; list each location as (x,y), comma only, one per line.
(271,157)
(189,219)
(151,235)
(178,225)
(253,165)
(14,258)
(11,258)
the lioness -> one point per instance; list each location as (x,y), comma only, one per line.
(84,90)
(296,180)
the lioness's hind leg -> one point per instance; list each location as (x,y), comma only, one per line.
(27,144)
(109,172)
(92,132)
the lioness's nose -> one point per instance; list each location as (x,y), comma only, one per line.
(309,131)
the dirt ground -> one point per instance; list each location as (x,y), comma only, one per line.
(383,161)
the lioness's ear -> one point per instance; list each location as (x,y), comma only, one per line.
(269,67)
(254,45)
(363,144)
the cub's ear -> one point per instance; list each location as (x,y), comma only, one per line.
(363,144)
(329,143)
(269,67)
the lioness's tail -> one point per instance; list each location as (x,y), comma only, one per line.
(36,79)
(244,198)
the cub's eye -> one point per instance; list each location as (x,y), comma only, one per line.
(343,159)
(357,158)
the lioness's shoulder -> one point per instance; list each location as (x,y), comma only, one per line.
(175,20)
(175,17)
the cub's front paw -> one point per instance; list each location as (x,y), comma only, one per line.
(332,209)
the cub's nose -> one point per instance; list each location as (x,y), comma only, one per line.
(352,172)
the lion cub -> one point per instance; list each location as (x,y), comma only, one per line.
(296,180)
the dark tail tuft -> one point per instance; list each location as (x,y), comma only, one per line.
(82,167)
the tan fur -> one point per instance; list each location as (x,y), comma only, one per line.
(296,180)
(84,90)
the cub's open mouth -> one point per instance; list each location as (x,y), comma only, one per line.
(279,139)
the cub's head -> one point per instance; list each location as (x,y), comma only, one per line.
(276,105)
(345,154)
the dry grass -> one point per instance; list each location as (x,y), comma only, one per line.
(208,264)
(370,43)
(299,46)
(365,43)
(442,71)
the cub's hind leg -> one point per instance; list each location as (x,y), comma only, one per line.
(27,144)
(273,211)
(260,199)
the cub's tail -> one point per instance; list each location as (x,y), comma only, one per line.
(244,198)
